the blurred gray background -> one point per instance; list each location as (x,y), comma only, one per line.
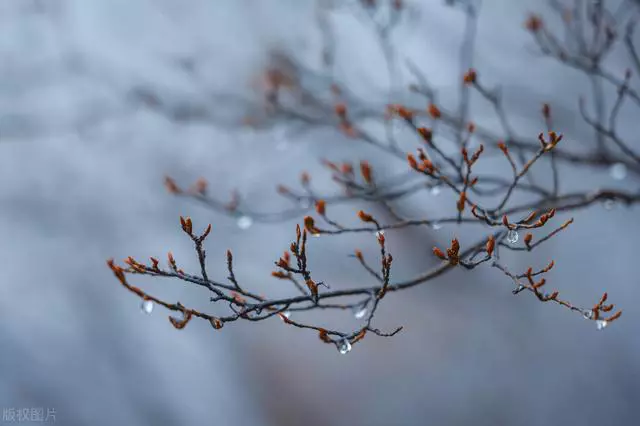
(82,165)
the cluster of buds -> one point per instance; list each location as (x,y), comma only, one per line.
(453,253)
(600,307)
(345,124)
(425,165)
(400,111)
(470,161)
(554,139)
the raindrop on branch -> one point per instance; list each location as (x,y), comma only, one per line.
(345,347)
(360,313)
(601,324)
(618,171)
(178,316)
(587,314)
(512,236)
(244,222)
(608,204)
(146,306)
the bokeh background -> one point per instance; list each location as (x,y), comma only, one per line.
(82,161)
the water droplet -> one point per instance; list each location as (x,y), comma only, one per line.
(587,314)
(435,191)
(146,306)
(345,347)
(305,203)
(178,315)
(601,324)
(244,222)
(316,235)
(512,236)
(608,204)
(518,289)
(618,171)
(435,226)
(286,314)
(360,313)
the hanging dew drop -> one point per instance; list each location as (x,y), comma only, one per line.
(360,313)
(601,324)
(146,306)
(618,171)
(305,203)
(587,314)
(512,236)
(345,347)
(244,222)
(608,204)
(178,316)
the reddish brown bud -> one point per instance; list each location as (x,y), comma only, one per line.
(320,207)
(206,232)
(305,178)
(530,217)
(155,262)
(171,186)
(309,224)
(359,336)
(427,134)
(462,201)
(546,110)
(614,316)
(365,217)
(365,170)
(470,77)
(491,243)
(324,335)
(434,111)
(527,239)
(439,253)
(471,127)
(412,161)
(201,186)
(313,287)
(503,148)
(534,23)
(187,226)
(282,190)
